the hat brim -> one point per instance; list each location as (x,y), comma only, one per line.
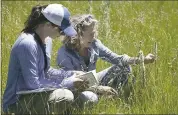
(70,31)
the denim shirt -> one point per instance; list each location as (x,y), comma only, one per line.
(70,60)
(26,70)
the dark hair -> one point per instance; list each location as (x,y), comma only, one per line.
(35,18)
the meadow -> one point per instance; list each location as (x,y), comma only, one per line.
(122,25)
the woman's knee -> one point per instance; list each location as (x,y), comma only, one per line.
(88,96)
(59,95)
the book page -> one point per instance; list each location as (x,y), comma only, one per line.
(90,77)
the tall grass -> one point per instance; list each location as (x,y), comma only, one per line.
(129,23)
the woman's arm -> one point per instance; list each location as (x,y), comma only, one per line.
(27,55)
(150,58)
(29,64)
(106,54)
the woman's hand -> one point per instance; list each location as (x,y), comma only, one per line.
(77,73)
(106,90)
(150,58)
(80,84)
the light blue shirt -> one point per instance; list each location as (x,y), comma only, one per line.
(70,60)
(26,70)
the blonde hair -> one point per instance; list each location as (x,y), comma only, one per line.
(80,23)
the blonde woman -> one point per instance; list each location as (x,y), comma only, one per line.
(82,52)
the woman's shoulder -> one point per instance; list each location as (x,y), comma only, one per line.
(26,40)
(63,51)
(96,43)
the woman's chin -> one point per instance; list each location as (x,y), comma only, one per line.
(86,45)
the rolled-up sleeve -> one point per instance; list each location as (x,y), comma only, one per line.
(106,54)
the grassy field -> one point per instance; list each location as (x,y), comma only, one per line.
(122,26)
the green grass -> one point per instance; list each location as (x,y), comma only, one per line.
(122,26)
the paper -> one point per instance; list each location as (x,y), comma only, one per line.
(90,77)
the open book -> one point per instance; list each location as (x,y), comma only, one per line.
(90,77)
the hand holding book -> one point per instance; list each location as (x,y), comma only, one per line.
(90,77)
(77,73)
(80,84)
